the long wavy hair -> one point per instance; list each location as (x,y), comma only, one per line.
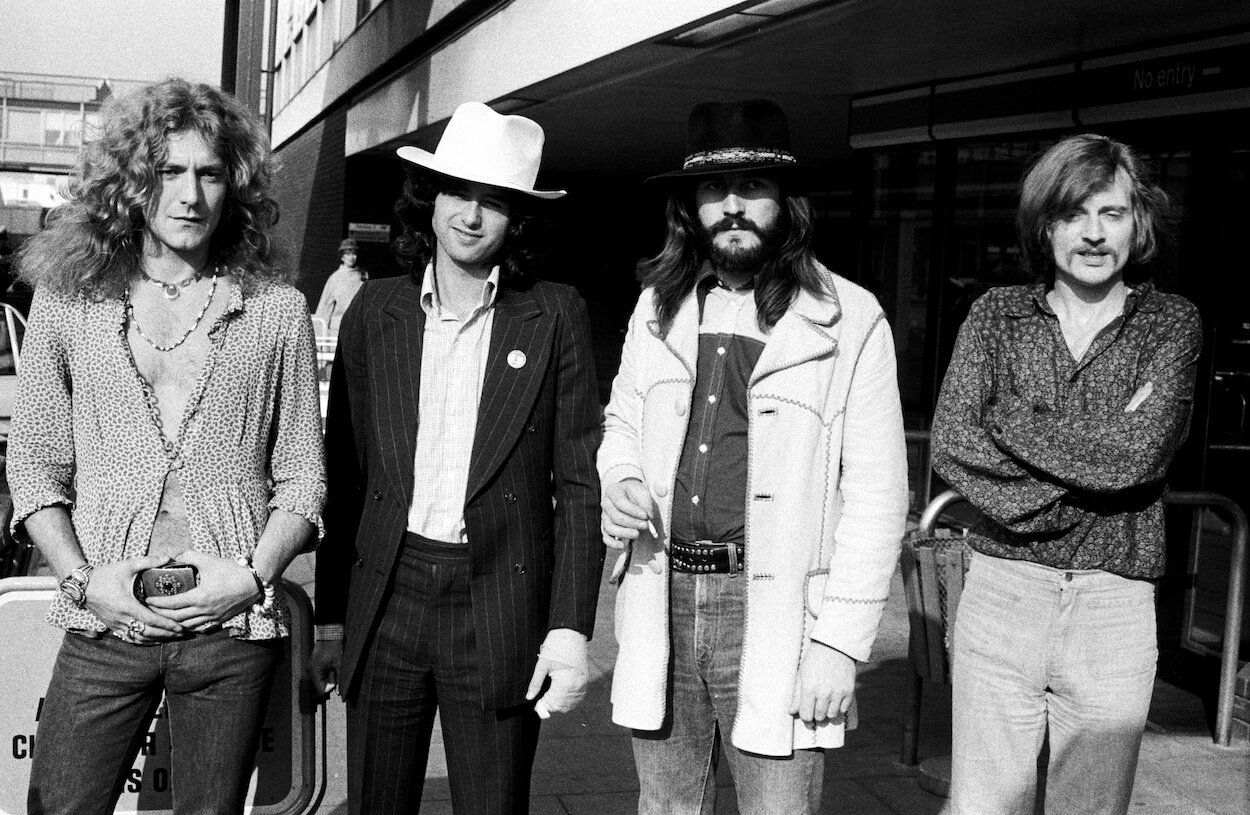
(94,243)
(791,267)
(1066,174)
(414,248)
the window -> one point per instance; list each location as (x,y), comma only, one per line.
(23,126)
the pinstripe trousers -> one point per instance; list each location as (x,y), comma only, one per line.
(422,659)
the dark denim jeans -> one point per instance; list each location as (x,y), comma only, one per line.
(101,700)
(677,764)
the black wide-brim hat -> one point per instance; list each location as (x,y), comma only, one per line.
(730,137)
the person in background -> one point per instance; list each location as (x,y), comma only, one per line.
(1061,410)
(165,452)
(341,287)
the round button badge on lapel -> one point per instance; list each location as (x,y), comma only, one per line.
(516,358)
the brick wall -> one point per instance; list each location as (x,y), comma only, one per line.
(309,188)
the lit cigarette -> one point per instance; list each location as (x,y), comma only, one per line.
(651,529)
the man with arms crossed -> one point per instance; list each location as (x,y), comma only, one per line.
(754,468)
(167,410)
(1060,412)
(462,407)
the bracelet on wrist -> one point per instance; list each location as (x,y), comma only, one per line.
(74,586)
(267,591)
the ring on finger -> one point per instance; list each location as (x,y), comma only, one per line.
(135,627)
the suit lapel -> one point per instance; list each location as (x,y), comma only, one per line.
(520,344)
(397,367)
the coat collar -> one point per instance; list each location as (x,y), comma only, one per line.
(804,332)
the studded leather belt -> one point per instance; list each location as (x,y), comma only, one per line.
(706,557)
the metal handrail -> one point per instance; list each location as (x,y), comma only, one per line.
(1234,607)
(922,440)
(934,509)
(12,318)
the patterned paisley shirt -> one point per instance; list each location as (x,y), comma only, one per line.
(1041,443)
(86,434)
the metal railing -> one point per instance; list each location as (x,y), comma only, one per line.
(919,439)
(1234,606)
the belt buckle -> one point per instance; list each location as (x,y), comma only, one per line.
(731,554)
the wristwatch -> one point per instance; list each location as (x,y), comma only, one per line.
(74,586)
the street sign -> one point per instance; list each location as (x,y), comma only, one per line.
(285,777)
(369,233)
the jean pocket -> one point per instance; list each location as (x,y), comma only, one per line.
(1120,640)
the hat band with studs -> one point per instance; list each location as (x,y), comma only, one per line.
(737,155)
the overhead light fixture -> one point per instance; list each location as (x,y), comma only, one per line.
(747,19)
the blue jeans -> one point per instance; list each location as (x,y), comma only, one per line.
(677,764)
(102,697)
(1041,650)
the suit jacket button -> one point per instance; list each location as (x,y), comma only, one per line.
(377,495)
(510,497)
(519,568)
(530,429)
(360,561)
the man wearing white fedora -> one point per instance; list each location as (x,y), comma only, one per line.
(755,475)
(460,568)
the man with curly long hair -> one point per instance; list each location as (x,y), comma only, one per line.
(165,453)
(461,564)
(754,473)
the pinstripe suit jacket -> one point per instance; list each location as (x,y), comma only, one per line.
(532,501)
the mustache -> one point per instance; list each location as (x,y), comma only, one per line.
(729,222)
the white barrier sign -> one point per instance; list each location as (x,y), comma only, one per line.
(285,776)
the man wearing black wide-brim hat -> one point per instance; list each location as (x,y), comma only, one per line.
(754,477)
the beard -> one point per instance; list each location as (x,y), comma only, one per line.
(742,260)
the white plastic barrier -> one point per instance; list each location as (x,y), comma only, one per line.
(285,778)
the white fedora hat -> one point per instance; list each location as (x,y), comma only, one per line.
(489,148)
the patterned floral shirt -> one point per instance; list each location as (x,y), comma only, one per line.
(86,434)
(1041,443)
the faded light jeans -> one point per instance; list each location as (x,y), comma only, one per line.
(102,696)
(677,764)
(1038,649)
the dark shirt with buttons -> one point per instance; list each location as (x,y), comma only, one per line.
(1042,443)
(709,497)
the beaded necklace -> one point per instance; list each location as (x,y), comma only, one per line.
(171,290)
(130,312)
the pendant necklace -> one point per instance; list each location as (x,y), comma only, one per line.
(130,312)
(172,291)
